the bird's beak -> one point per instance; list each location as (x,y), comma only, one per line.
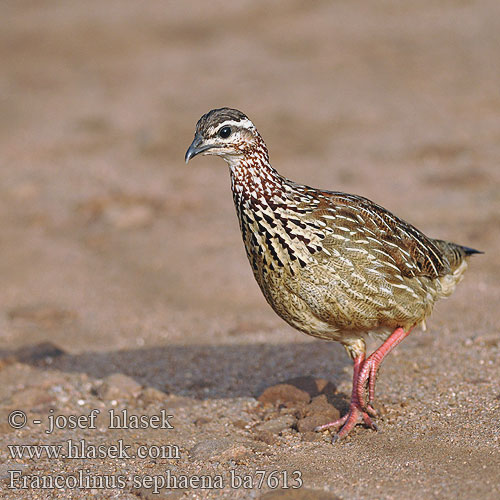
(196,147)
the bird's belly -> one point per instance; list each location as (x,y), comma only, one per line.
(332,306)
(308,307)
(293,309)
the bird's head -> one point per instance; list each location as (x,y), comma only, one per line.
(224,132)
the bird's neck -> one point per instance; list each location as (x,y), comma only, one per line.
(253,179)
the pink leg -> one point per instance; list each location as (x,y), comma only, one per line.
(364,372)
(357,408)
(368,372)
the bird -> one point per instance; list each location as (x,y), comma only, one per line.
(333,265)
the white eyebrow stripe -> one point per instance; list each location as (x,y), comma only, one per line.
(241,123)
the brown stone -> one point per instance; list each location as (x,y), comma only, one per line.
(277,425)
(284,393)
(150,395)
(265,436)
(311,436)
(313,386)
(119,386)
(320,405)
(310,423)
(297,390)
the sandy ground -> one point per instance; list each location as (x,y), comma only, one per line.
(124,280)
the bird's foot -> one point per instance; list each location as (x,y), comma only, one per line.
(363,379)
(358,411)
(346,423)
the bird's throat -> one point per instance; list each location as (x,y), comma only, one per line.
(253,178)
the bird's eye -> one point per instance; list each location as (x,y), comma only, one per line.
(225,132)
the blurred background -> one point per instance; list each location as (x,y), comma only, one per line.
(116,257)
(109,240)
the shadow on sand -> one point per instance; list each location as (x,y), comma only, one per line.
(198,371)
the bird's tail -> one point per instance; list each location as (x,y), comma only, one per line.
(454,253)
(469,251)
(457,256)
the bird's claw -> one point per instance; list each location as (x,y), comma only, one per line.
(348,421)
(368,408)
(335,438)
